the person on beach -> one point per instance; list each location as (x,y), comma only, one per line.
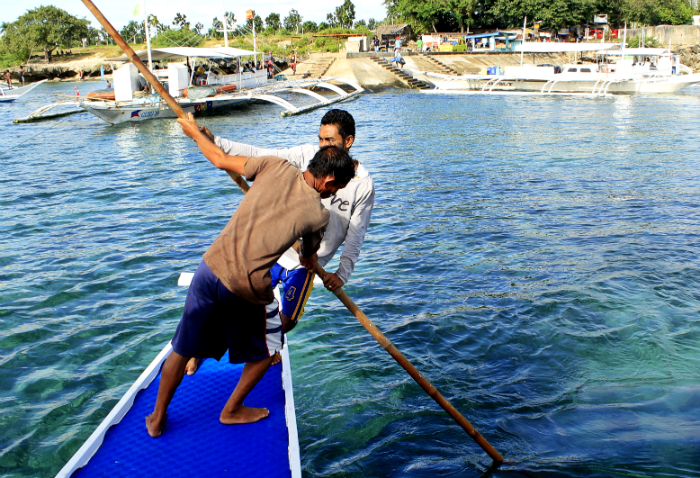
(21,76)
(230,302)
(376,44)
(294,63)
(397,45)
(350,208)
(8,79)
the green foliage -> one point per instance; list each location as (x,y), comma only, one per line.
(43,28)
(636,42)
(323,26)
(554,14)
(258,23)
(180,20)
(372,24)
(273,21)
(180,37)
(8,59)
(451,15)
(309,26)
(344,15)
(360,23)
(293,20)
(216,24)
(133,32)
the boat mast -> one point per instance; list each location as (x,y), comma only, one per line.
(223,6)
(148,36)
(522,45)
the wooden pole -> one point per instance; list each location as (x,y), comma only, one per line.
(413,371)
(340,293)
(150,77)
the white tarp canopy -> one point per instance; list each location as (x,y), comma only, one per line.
(176,53)
(637,51)
(554,47)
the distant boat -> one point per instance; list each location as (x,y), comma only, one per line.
(626,71)
(7,94)
(199,91)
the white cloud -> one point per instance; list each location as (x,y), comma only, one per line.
(120,13)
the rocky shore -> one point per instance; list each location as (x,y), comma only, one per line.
(690,56)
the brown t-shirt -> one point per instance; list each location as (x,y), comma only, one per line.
(277,210)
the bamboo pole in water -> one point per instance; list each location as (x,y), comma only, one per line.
(340,293)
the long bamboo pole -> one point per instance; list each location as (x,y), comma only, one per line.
(340,293)
(413,371)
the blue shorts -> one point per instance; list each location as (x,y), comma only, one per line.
(296,286)
(215,319)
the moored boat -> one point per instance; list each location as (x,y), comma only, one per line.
(625,71)
(11,94)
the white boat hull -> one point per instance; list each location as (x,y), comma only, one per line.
(7,94)
(138,113)
(562,84)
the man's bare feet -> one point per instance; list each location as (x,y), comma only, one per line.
(193,365)
(243,415)
(155,429)
(277,358)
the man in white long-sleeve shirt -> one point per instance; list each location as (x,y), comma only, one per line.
(350,208)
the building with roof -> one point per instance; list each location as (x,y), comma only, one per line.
(387,34)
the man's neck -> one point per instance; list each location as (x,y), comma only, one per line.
(310,179)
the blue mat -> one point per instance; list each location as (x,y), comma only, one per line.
(194,442)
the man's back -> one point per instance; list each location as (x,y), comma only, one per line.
(279,208)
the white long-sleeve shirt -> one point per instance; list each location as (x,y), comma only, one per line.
(350,208)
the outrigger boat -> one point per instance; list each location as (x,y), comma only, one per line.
(194,442)
(7,94)
(625,71)
(204,92)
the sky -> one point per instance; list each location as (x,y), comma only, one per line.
(120,13)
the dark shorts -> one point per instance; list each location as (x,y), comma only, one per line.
(215,319)
(296,289)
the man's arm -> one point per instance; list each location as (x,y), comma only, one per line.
(213,153)
(299,156)
(355,237)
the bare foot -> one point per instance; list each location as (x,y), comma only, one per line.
(193,365)
(155,429)
(243,415)
(277,358)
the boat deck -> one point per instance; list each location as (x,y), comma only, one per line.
(194,442)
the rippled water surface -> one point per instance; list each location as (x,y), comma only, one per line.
(535,257)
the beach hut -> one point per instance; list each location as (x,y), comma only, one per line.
(387,34)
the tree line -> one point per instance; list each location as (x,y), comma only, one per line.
(459,15)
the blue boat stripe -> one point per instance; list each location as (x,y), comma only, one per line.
(275,330)
(272,313)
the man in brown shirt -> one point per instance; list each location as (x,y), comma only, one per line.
(230,304)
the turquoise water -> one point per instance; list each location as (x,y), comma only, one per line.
(536,258)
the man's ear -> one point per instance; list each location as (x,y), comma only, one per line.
(349,140)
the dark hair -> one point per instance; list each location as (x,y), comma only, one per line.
(332,161)
(342,120)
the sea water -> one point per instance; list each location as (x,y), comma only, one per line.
(535,257)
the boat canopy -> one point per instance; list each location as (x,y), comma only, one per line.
(550,47)
(488,35)
(175,53)
(637,52)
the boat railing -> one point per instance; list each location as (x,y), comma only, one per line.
(244,80)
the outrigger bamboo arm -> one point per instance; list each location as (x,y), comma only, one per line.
(340,293)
